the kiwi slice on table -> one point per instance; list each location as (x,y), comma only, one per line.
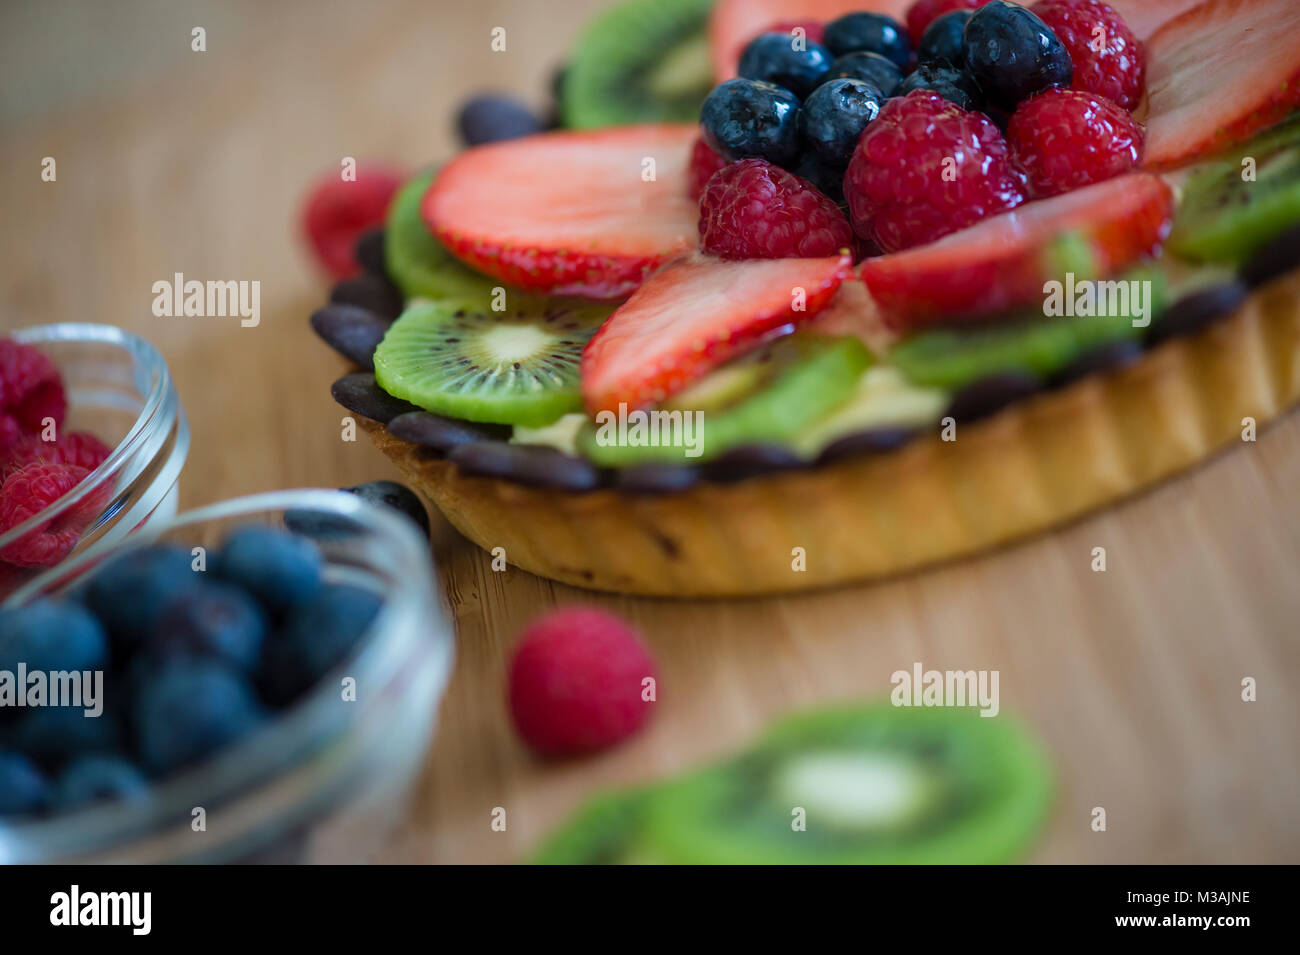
(1231,207)
(1037,344)
(608,830)
(417,262)
(643,61)
(871,785)
(767,397)
(519,366)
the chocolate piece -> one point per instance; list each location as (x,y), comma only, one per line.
(1276,257)
(1195,311)
(751,461)
(352,331)
(370,291)
(1108,357)
(657,478)
(359,394)
(991,394)
(533,465)
(870,441)
(441,434)
(370,253)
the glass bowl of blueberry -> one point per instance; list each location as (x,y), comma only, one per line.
(92,441)
(253,681)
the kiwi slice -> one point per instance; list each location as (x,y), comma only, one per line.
(876,785)
(417,262)
(1226,217)
(768,396)
(519,366)
(642,61)
(1037,344)
(608,830)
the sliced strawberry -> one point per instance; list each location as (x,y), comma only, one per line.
(1002,262)
(694,314)
(1218,73)
(575,213)
(734,23)
(1144,17)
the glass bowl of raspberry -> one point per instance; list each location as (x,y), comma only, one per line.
(302,746)
(92,441)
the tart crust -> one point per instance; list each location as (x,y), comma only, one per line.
(1034,465)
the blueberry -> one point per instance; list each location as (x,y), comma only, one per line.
(869,33)
(795,63)
(315,639)
(23,788)
(871,68)
(834,116)
(281,569)
(750,119)
(130,593)
(952,84)
(187,709)
(396,496)
(1013,54)
(52,635)
(97,778)
(53,735)
(941,41)
(215,620)
(829,179)
(490,118)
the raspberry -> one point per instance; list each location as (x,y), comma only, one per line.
(1064,139)
(1117,71)
(754,210)
(27,492)
(31,390)
(576,682)
(80,448)
(704,163)
(925,168)
(338,212)
(924,12)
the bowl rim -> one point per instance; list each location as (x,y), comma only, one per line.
(142,429)
(240,767)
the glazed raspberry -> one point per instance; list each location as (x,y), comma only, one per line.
(1064,139)
(30,390)
(25,493)
(338,211)
(754,210)
(576,682)
(924,12)
(1108,60)
(925,168)
(704,163)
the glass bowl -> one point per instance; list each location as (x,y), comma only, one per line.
(120,390)
(328,779)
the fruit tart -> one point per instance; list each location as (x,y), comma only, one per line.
(923,278)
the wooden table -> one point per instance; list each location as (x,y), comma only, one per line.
(171,161)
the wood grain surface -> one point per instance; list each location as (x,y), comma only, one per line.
(174,161)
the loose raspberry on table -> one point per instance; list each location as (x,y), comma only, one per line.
(31,390)
(25,493)
(1108,59)
(924,12)
(704,163)
(577,682)
(754,210)
(1064,139)
(926,168)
